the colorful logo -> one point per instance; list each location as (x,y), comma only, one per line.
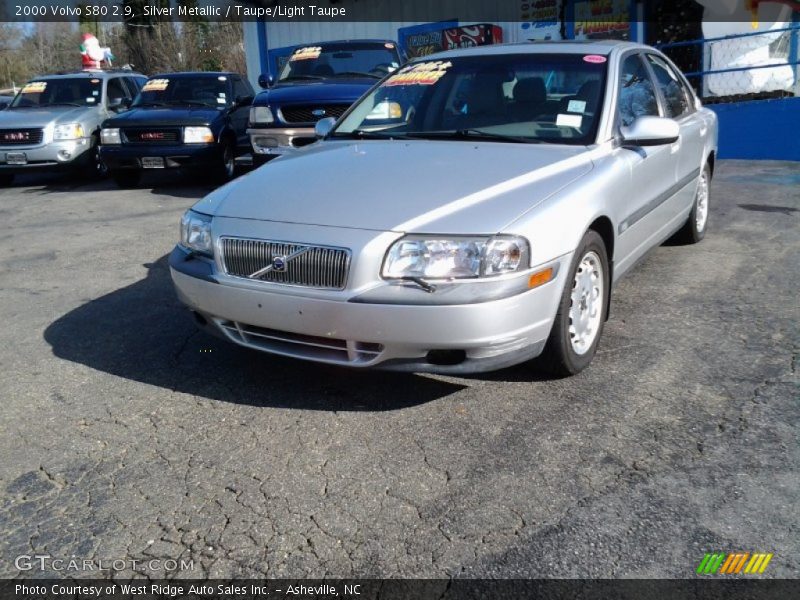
(737,563)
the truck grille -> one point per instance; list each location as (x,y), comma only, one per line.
(305,113)
(20,137)
(152,136)
(292,264)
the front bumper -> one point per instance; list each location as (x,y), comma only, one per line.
(53,155)
(177,156)
(460,338)
(275,141)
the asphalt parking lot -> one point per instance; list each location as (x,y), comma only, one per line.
(126,434)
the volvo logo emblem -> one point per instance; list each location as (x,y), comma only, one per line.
(318,112)
(279,264)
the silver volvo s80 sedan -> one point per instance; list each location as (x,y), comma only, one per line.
(470,212)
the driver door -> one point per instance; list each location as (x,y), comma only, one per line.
(651,169)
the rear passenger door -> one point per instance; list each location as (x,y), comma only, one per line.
(651,169)
(678,103)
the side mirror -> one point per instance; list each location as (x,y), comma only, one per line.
(323,127)
(651,131)
(243,101)
(266,81)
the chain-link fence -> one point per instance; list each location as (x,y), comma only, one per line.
(745,66)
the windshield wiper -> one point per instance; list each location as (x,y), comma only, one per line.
(188,103)
(301,77)
(148,104)
(477,134)
(357,74)
(362,134)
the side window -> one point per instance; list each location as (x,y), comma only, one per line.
(676,104)
(115,90)
(637,97)
(240,88)
(133,85)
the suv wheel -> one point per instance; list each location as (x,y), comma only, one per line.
(582,310)
(93,168)
(6,179)
(126,179)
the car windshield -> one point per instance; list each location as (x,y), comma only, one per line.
(68,91)
(358,59)
(203,90)
(522,98)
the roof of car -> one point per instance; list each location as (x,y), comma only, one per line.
(90,73)
(195,74)
(603,47)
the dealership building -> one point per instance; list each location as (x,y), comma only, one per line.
(740,55)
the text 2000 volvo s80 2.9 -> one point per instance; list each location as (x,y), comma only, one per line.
(470,212)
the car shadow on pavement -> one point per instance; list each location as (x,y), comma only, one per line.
(142,333)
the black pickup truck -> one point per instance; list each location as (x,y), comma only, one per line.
(188,121)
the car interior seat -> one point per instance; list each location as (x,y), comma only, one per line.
(530,96)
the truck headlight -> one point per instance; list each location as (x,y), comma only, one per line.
(432,257)
(68,131)
(110,136)
(261,115)
(196,232)
(197,135)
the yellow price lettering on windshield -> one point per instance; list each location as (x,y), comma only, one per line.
(36,87)
(156,85)
(426,73)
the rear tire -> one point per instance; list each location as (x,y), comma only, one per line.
(695,227)
(6,179)
(126,179)
(582,310)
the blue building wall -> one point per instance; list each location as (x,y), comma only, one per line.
(761,129)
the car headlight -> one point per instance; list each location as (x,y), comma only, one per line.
(197,135)
(196,232)
(110,136)
(68,131)
(431,257)
(261,114)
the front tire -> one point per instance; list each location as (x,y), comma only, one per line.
(126,179)
(225,171)
(695,227)
(582,310)
(6,179)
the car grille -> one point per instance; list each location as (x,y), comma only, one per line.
(152,136)
(20,137)
(300,345)
(305,113)
(313,266)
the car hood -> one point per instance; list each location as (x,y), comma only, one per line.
(42,117)
(339,90)
(155,116)
(419,186)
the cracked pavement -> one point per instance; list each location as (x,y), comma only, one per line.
(125,433)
